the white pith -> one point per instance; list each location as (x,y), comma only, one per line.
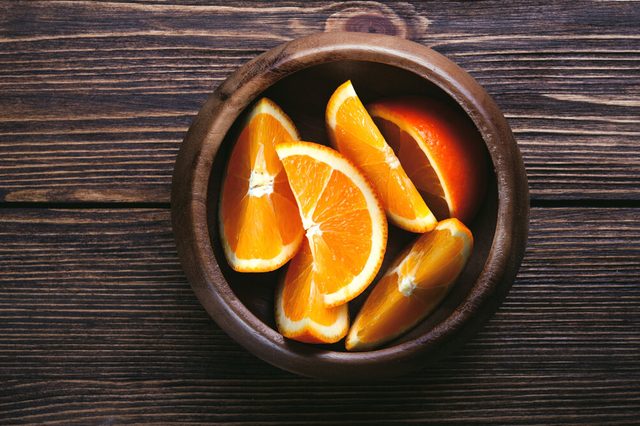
(329,333)
(406,285)
(260,264)
(336,101)
(266,106)
(419,224)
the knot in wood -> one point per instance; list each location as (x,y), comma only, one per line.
(373,23)
(378,18)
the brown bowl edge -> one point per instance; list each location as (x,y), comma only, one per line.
(189,204)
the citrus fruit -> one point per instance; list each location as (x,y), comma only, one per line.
(300,311)
(413,286)
(353,132)
(440,149)
(345,225)
(260,227)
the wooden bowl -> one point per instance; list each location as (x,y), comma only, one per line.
(300,76)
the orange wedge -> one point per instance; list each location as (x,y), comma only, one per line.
(345,225)
(413,286)
(354,134)
(260,227)
(300,311)
(441,151)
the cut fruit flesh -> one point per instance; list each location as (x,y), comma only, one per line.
(413,286)
(260,227)
(300,311)
(440,150)
(421,173)
(344,222)
(355,135)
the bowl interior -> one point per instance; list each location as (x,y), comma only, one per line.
(303,96)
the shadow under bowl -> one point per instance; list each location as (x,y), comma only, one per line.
(300,76)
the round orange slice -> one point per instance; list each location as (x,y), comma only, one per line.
(355,135)
(300,311)
(413,286)
(440,149)
(345,225)
(260,227)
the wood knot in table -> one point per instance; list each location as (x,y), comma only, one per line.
(399,19)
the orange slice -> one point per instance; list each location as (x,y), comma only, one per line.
(413,286)
(354,134)
(344,222)
(260,226)
(300,311)
(441,151)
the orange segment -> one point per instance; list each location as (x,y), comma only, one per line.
(354,134)
(260,226)
(440,149)
(345,225)
(413,286)
(300,311)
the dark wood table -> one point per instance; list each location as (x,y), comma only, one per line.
(97,322)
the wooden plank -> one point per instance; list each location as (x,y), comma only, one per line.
(95,97)
(97,325)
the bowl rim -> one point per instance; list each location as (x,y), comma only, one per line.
(189,205)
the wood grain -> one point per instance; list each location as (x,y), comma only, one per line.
(97,322)
(96,97)
(500,230)
(98,326)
